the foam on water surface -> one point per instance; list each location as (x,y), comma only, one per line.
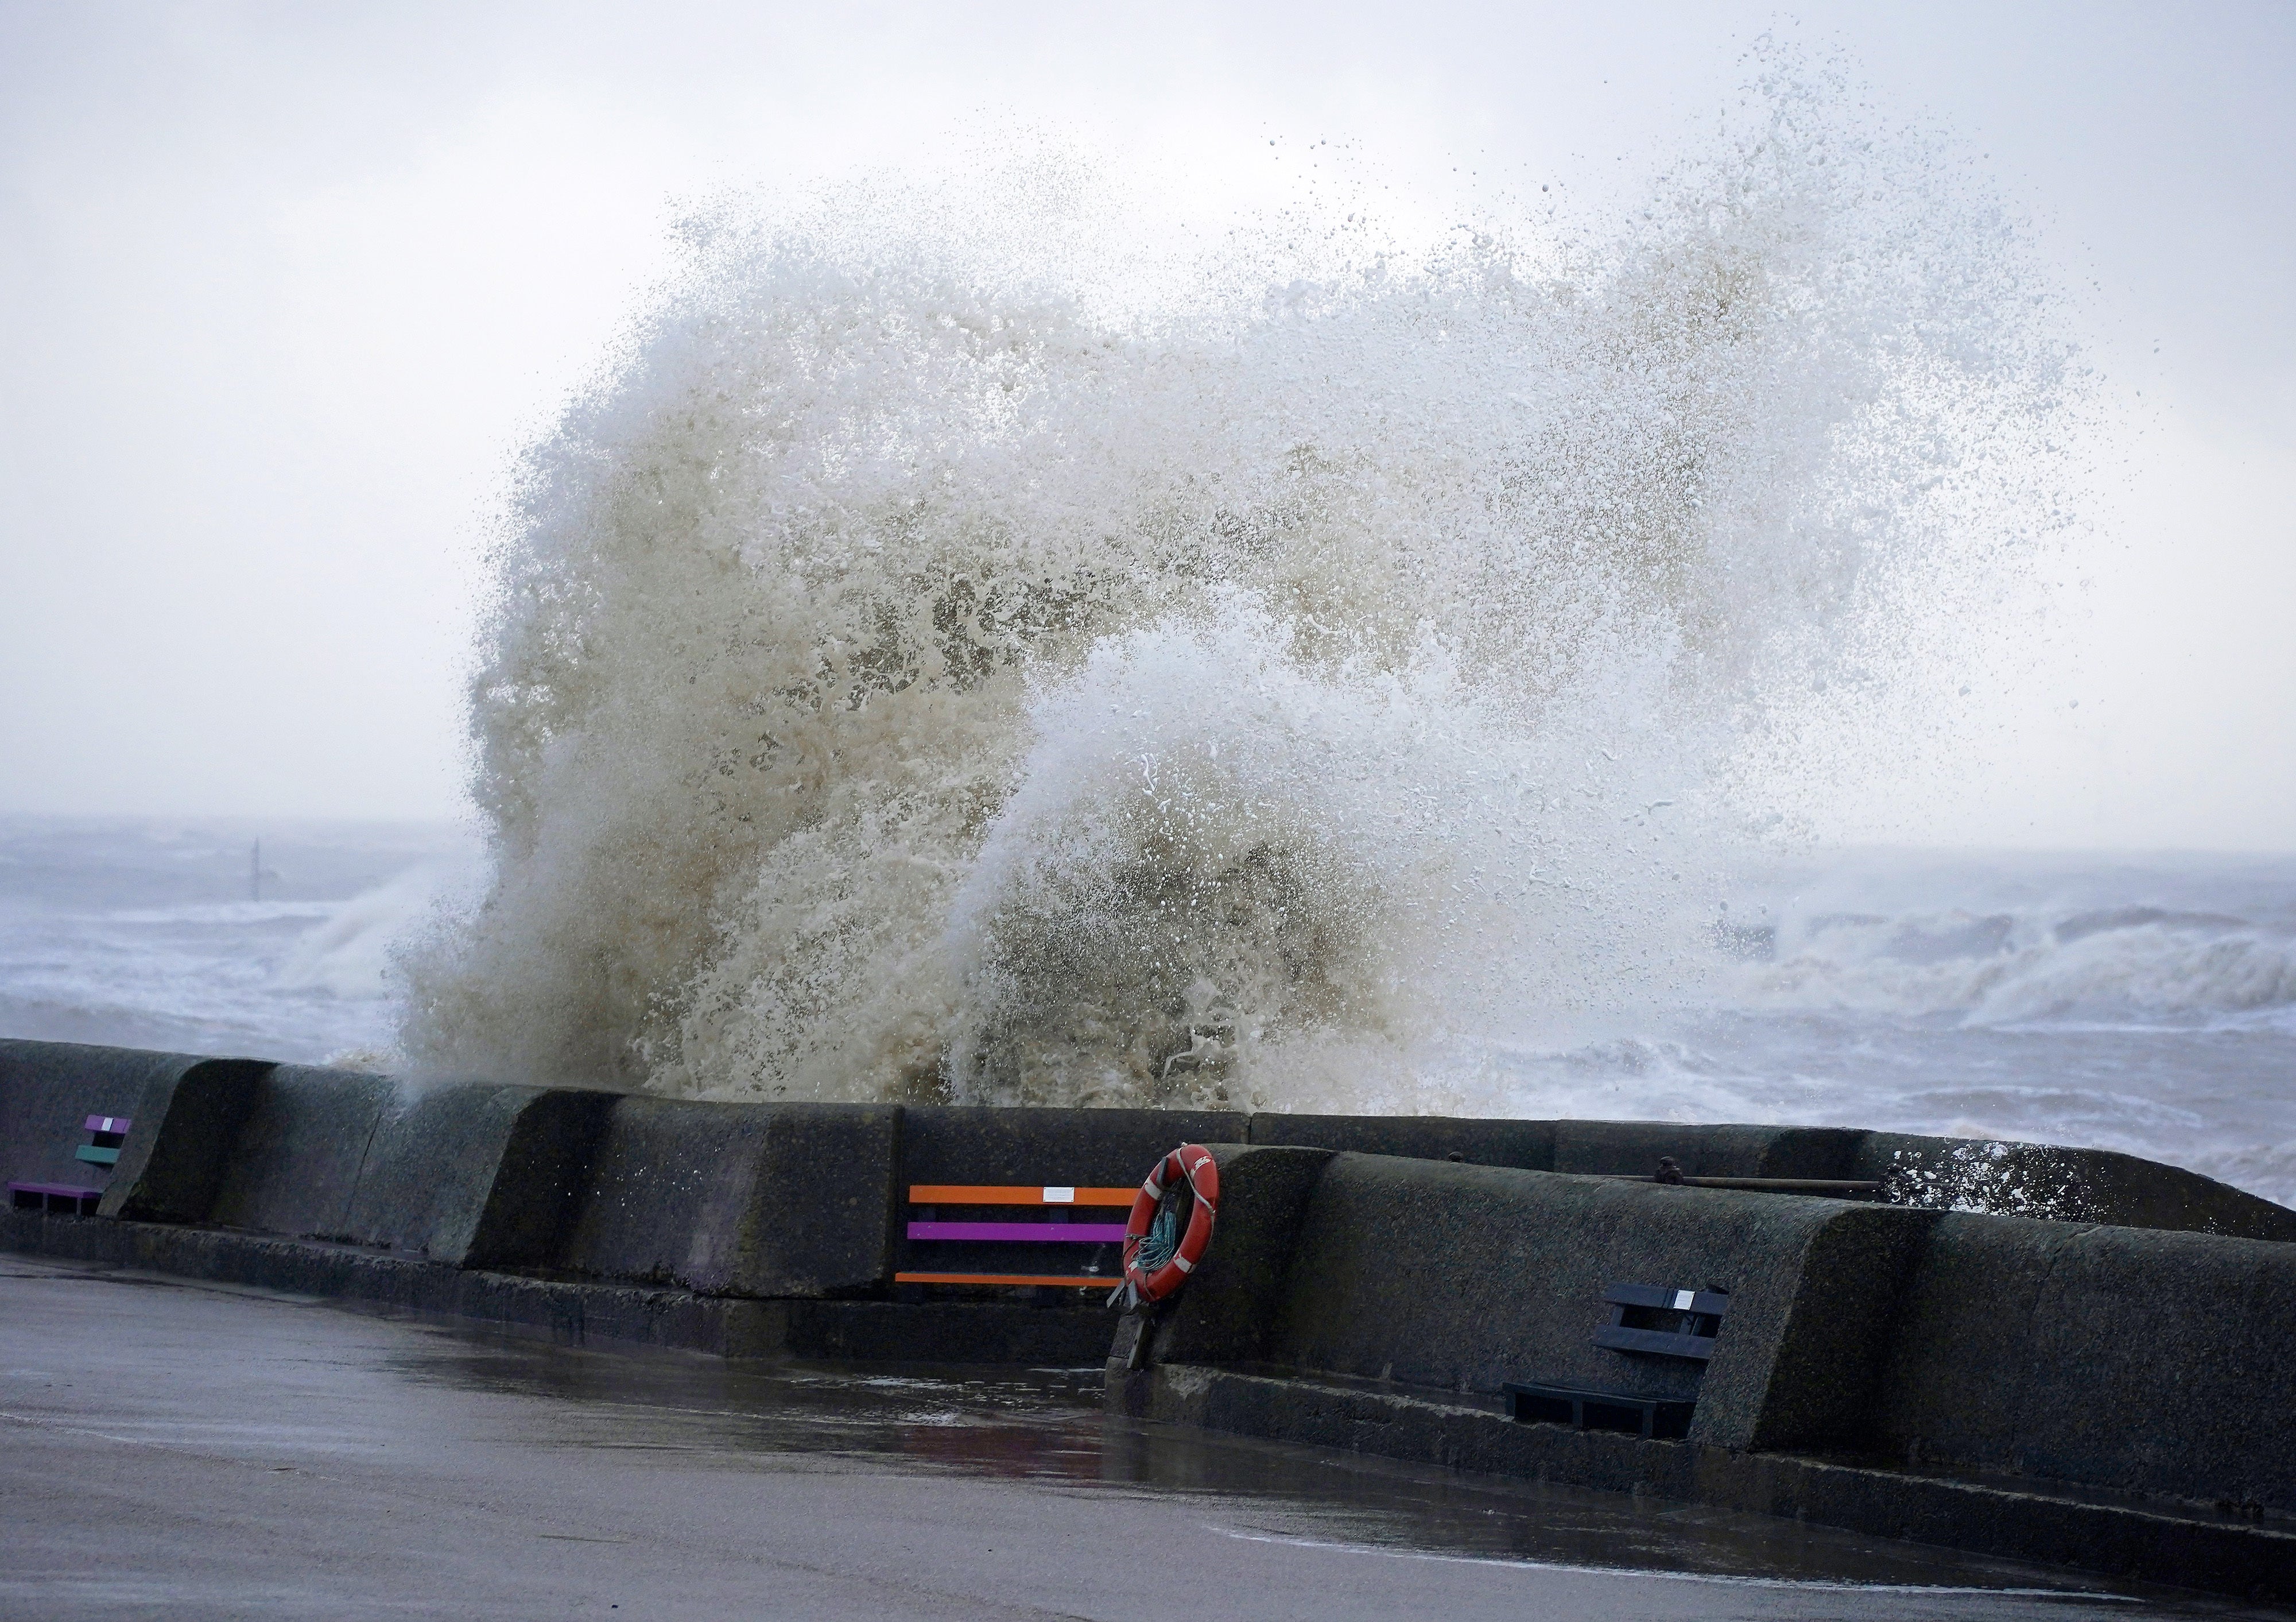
(101,942)
(142,932)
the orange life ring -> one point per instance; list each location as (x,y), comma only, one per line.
(1192,1161)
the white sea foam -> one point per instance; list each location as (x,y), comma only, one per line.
(929,665)
(349,954)
(2138,965)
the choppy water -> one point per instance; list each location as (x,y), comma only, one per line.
(2142,1003)
(156,934)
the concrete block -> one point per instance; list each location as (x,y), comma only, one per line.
(1633,1149)
(1528,1145)
(476,1174)
(295,1161)
(939,1331)
(1461,1278)
(2155,1362)
(1228,1307)
(190,1106)
(2135,1539)
(1087,1147)
(750,1199)
(1952,1385)
(1827,1363)
(171,1167)
(2074,1185)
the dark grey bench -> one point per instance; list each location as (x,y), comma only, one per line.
(1654,1322)
(1643,1416)
(1646,1321)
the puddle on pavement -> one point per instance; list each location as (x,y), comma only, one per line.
(1046,1425)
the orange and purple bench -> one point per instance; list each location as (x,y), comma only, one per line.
(928,1202)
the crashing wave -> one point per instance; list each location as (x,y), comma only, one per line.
(914,672)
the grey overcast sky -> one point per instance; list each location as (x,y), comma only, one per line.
(285,286)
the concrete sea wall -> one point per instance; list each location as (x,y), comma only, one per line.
(2110,1384)
(2114,1397)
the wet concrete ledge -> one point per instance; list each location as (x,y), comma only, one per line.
(2120,1535)
(2145,1540)
(2132,1336)
(2116,1399)
(805,1199)
(577,1311)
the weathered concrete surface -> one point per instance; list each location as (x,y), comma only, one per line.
(1461,1278)
(2133,1538)
(2020,1178)
(1528,1145)
(775,1199)
(295,1161)
(49,1089)
(173,1161)
(2075,1185)
(2160,1362)
(283,1148)
(1087,1147)
(1633,1149)
(1381,1304)
(297,1462)
(478,1174)
(1227,1311)
(578,1312)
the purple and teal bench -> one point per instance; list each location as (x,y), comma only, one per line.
(929,1203)
(105,1133)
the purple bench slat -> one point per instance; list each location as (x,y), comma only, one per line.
(48,1193)
(1039,1233)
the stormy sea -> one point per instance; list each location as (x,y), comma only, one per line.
(2145,1003)
(962,645)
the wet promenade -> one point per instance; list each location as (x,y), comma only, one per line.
(187,1451)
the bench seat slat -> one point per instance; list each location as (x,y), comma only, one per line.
(1658,1342)
(1038,1279)
(1712,1303)
(1026,1233)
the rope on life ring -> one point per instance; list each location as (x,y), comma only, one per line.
(1156,1258)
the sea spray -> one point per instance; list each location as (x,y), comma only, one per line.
(917,671)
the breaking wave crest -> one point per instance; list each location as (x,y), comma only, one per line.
(2133,963)
(918,671)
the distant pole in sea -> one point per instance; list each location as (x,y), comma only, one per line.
(255,872)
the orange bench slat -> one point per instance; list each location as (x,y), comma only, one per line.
(1055,1279)
(966,1194)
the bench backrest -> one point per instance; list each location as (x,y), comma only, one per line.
(1657,1321)
(928,1226)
